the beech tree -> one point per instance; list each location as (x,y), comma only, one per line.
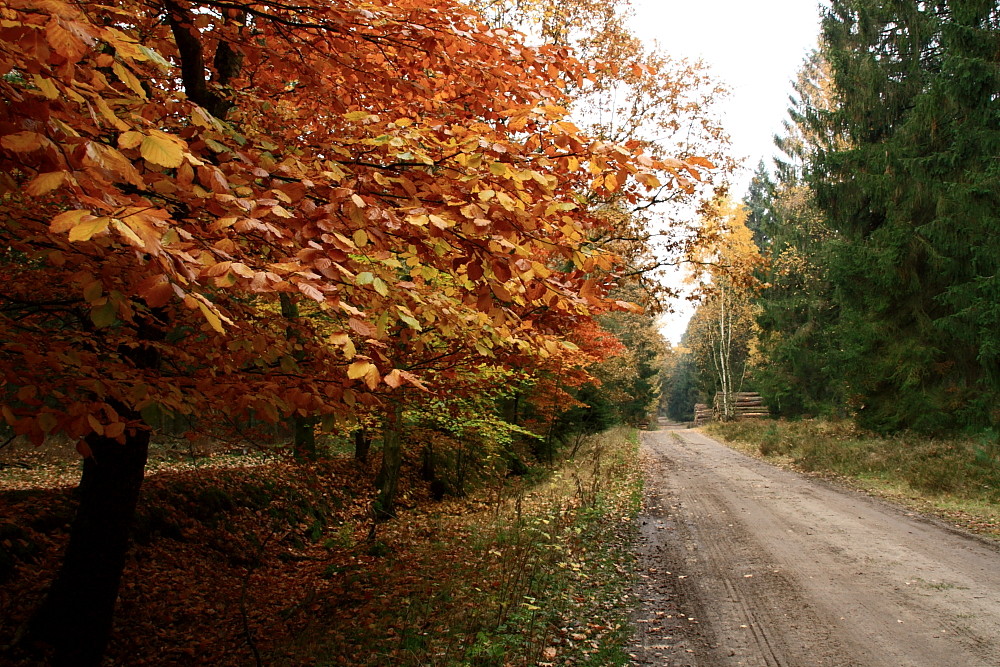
(174,173)
(637,93)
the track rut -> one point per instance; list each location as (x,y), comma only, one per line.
(746,564)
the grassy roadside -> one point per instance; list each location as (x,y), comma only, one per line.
(539,577)
(957,480)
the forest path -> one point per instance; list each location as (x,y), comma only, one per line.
(742,563)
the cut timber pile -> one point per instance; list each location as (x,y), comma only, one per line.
(747,405)
(702,414)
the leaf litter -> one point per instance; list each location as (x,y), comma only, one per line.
(244,559)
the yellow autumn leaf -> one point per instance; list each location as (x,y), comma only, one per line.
(67,220)
(649,180)
(128,78)
(86,229)
(67,43)
(130,139)
(394,379)
(372,378)
(22,142)
(46,86)
(210,316)
(359,369)
(109,114)
(45,183)
(127,232)
(161,151)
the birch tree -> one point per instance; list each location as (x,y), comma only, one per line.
(723,332)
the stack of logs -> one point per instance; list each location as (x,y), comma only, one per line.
(746,405)
(702,414)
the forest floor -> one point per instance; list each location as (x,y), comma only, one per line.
(249,559)
(743,563)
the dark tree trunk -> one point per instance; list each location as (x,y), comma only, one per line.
(362,445)
(392,459)
(75,618)
(428,467)
(428,472)
(304,429)
(510,408)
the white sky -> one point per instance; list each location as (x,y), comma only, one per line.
(755,47)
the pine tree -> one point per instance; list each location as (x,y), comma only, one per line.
(796,311)
(912,191)
(758,202)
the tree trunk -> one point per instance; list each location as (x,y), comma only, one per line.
(304,429)
(75,618)
(510,408)
(392,459)
(362,445)
(428,467)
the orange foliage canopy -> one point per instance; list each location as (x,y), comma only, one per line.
(169,169)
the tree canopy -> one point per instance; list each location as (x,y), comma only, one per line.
(171,170)
(306,213)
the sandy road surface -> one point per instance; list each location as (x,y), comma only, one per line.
(746,564)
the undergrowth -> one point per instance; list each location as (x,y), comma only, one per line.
(244,560)
(540,576)
(957,478)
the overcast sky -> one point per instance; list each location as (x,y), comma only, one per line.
(755,47)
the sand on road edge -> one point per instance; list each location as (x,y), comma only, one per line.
(745,564)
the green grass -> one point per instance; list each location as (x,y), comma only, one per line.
(542,575)
(957,479)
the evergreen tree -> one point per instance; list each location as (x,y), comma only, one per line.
(911,190)
(682,389)
(758,202)
(801,359)
(801,373)
(813,94)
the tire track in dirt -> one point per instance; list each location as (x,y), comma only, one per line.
(742,563)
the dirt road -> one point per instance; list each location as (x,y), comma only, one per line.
(745,564)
